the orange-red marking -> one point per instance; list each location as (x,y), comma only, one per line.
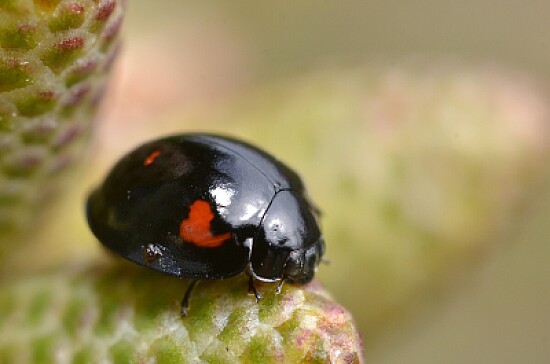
(196,228)
(151,158)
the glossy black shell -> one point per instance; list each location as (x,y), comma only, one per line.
(260,215)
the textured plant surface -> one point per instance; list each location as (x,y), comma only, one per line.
(54,60)
(125,314)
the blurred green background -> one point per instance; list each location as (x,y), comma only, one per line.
(283,37)
(187,63)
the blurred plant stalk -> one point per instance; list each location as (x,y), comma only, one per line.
(55,57)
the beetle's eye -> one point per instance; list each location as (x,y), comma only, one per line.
(294,264)
(311,258)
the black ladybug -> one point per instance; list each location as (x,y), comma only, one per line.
(202,206)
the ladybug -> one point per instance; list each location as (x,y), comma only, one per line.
(204,207)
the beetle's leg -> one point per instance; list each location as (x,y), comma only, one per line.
(279,286)
(252,288)
(187,297)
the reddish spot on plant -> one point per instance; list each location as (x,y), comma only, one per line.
(47,95)
(112,31)
(70,44)
(105,11)
(76,95)
(26,28)
(74,8)
(66,137)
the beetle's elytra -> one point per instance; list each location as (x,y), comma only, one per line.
(202,206)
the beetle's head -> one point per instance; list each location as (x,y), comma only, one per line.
(288,245)
(300,266)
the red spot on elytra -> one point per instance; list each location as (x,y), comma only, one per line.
(196,228)
(151,158)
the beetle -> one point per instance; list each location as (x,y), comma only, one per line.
(202,207)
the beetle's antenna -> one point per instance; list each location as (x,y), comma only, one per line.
(187,297)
